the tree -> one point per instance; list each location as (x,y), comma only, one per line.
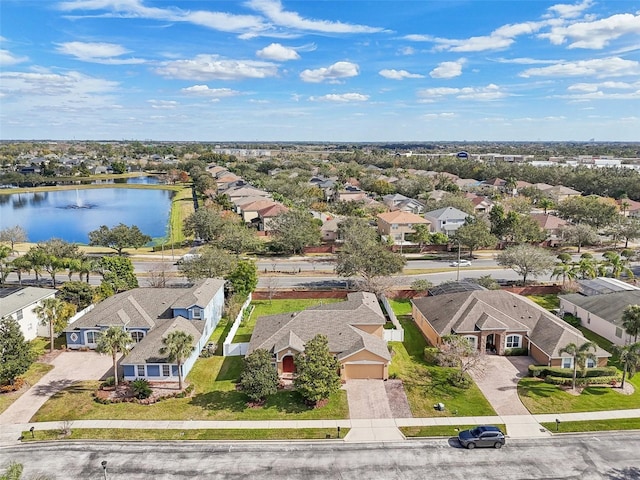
(545,204)
(317,371)
(79,293)
(117,272)
(458,352)
(616,265)
(15,352)
(587,266)
(119,237)
(119,167)
(13,235)
(259,378)
(112,341)
(421,235)
(474,234)
(564,268)
(212,262)
(631,321)
(527,230)
(526,260)
(629,229)
(20,265)
(204,223)
(243,278)
(177,346)
(580,355)
(363,254)
(591,210)
(579,235)
(55,314)
(295,230)
(237,238)
(629,356)
(421,285)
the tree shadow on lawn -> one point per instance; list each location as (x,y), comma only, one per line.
(230,370)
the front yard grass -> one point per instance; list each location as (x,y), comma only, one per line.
(427,385)
(36,372)
(549,301)
(401,306)
(274,307)
(594,425)
(215,398)
(196,434)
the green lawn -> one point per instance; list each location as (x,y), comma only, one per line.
(439,430)
(215,398)
(595,425)
(427,385)
(549,302)
(196,434)
(36,372)
(274,307)
(541,397)
(401,306)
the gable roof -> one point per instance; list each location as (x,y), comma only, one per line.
(468,312)
(400,216)
(447,213)
(17,299)
(608,306)
(547,221)
(272,210)
(337,321)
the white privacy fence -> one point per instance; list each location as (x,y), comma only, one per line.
(397,334)
(230,349)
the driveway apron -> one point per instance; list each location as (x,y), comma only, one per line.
(69,367)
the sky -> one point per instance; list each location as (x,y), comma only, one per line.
(320,70)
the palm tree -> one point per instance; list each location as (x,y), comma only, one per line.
(545,204)
(580,355)
(21,265)
(616,265)
(630,359)
(112,341)
(177,346)
(564,268)
(631,321)
(55,313)
(88,266)
(587,267)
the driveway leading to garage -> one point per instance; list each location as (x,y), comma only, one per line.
(367,399)
(498,381)
(69,367)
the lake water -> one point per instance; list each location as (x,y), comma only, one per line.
(72,214)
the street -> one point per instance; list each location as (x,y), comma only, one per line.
(588,456)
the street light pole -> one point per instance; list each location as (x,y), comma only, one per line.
(104,468)
(458,272)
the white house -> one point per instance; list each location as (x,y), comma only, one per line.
(446,220)
(20,304)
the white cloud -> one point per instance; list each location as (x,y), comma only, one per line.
(341,98)
(430,116)
(570,11)
(8,58)
(525,61)
(274,11)
(104,53)
(398,74)
(163,104)
(278,53)
(490,92)
(331,74)
(211,67)
(72,84)
(599,68)
(205,91)
(448,69)
(407,51)
(594,35)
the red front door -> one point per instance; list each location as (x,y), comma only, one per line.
(287,364)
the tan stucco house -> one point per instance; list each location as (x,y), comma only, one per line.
(496,321)
(354,329)
(398,224)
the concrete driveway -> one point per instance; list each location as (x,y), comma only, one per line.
(69,367)
(498,381)
(367,399)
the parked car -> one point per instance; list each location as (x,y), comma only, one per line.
(482,436)
(461,263)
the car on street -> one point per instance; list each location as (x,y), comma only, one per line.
(482,436)
(461,263)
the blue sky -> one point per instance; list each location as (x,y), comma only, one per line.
(270,70)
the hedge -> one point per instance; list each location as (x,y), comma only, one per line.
(582,381)
(513,352)
(543,371)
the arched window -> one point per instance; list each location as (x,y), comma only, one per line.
(137,335)
(513,341)
(92,336)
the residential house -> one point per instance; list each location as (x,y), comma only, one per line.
(560,193)
(481,204)
(249,211)
(402,203)
(350,193)
(398,224)
(149,315)
(330,228)
(628,207)
(446,220)
(267,214)
(20,303)
(552,225)
(327,185)
(602,313)
(500,321)
(245,192)
(496,184)
(467,183)
(354,329)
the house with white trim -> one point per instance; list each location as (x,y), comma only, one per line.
(149,315)
(20,303)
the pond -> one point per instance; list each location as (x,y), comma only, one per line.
(72,214)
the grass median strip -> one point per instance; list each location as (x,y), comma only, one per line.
(177,434)
(439,430)
(593,425)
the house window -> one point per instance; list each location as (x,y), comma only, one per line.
(92,336)
(137,336)
(514,341)
(140,369)
(618,332)
(473,341)
(19,315)
(394,226)
(197,313)
(166,370)
(591,363)
(567,362)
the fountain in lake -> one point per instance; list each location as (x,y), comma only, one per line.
(79,202)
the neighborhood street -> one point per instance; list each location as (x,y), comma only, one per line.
(599,456)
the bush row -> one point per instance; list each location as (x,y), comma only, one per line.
(582,381)
(145,401)
(513,352)
(544,371)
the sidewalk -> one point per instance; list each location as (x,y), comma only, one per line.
(362,430)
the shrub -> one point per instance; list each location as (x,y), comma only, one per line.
(431,354)
(513,352)
(571,320)
(537,370)
(108,382)
(580,381)
(543,371)
(141,388)
(17,384)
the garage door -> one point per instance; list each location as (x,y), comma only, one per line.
(364,371)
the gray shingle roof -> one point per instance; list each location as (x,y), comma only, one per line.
(497,309)
(335,321)
(22,298)
(148,350)
(608,306)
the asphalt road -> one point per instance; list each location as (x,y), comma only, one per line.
(583,457)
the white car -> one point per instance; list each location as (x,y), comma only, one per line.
(461,263)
